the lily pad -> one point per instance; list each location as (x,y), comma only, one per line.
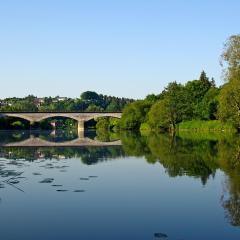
(13,181)
(37,174)
(160,235)
(47,180)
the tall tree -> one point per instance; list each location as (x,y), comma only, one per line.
(169,111)
(229,108)
(134,114)
(195,91)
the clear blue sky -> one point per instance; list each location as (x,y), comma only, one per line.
(125,48)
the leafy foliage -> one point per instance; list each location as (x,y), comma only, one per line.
(196,100)
(88,101)
(166,113)
(229,107)
(135,114)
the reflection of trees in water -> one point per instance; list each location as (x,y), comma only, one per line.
(196,157)
(59,135)
(92,155)
(88,155)
(179,157)
(231,200)
(18,157)
(16,153)
(134,144)
(51,136)
(183,157)
(229,162)
(13,136)
(103,135)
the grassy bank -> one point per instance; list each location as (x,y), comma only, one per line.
(206,135)
(210,126)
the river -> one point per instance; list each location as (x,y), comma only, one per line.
(145,187)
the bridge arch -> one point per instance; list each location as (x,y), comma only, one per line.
(57,116)
(16,115)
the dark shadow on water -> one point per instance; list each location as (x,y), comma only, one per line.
(13,136)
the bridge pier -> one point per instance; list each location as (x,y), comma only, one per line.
(81,128)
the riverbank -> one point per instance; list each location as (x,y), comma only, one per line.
(197,128)
(206,126)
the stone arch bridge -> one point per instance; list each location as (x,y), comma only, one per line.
(80,117)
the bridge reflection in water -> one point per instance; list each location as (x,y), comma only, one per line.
(38,139)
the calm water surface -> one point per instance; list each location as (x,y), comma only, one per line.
(154,187)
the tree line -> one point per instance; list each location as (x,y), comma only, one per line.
(87,102)
(198,99)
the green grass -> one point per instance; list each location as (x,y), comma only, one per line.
(211,125)
(206,135)
(210,130)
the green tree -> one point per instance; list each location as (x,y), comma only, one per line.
(229,107)
(89,96)
(134,114)
(231,57)
(159,116)
(152,98)
(22,106)
(208,106)
(205,80)
(195,91)
(103,123)
(229,104)
(94,108)
(113,106)
(169,111)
